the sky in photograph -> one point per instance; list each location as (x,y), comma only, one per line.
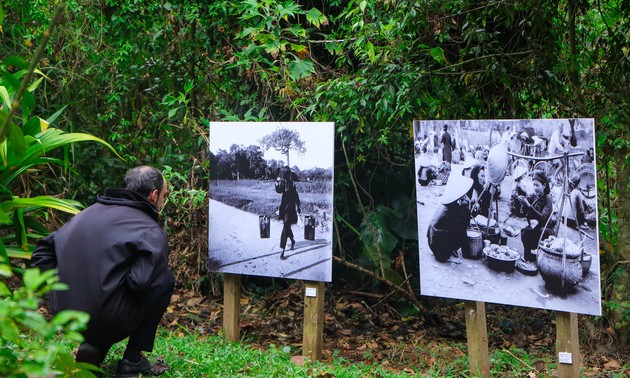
(318,138)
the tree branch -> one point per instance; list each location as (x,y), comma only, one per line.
(408,295)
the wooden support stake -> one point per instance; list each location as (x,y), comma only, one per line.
(567,345)
(477,335)
(231,306)
(313,320)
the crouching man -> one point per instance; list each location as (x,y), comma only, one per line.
(114,258)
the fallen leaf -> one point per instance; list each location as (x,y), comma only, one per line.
(612,365)
(299,360)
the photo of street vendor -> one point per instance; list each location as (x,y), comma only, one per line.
(509,212)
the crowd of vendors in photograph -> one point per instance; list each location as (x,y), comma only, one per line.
(522,168)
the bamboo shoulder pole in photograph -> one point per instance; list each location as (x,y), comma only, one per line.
(567,345)
(477,336)
(231,307)
(313,320)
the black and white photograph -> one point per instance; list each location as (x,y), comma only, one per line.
(271,199)
(507,212)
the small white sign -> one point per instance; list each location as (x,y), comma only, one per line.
(311,292)
(565,358)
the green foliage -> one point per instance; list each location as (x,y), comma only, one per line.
(28,145)
(150,76)
(180,194)
(32,345)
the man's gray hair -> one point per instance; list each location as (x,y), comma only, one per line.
(144,179)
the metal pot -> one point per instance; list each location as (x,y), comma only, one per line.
(500,262)
(474,247)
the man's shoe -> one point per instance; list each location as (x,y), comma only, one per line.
(128,369)
(88,353)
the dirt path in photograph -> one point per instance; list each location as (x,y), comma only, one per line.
(235,246)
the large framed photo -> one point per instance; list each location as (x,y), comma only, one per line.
(271,199)
(507,212)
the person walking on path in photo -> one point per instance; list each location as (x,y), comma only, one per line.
(447,145)
(289,207)
(113,256)
(446,233)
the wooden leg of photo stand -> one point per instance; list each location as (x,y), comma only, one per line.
(313,320)
(567,345)
(477,335)
(231,307)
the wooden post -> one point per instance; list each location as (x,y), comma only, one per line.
(231,306)
(567,345)
(313,320)
(477,335)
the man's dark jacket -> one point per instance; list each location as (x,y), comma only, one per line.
(109,255)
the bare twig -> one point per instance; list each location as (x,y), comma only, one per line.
(401,290)
(521,361)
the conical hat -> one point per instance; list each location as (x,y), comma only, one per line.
(470,161)
(456,187)
(587,180)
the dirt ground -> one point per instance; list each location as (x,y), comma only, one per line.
(368,328)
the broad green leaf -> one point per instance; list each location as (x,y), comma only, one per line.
(5,271)
(15,61)
(297,48)
(53,138)
(31,87)
(362,5)
(437,53)
(4,289)
(66,316)
(1,15)
(9,331)
(34,278)
(297,31)
(17,252)
(53,117)
(16,147)
(66,205)
(32,126)
(18,226)
(299,68)
(4,96)
(12,80)
(7,177)
(315,17)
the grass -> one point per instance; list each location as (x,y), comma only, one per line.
(259,197)
(190,355)
(193,355)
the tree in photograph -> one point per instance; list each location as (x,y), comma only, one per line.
(283,141)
